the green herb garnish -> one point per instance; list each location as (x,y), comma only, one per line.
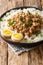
(41,35)
(28,12)
(39,20)
(12,22)
(30,23)
(7,14)
(21,18)
(37,32)
(0,19)
(25,38)
(26,24)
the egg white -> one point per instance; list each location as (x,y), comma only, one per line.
(16,39)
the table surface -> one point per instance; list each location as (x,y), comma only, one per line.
(7,56)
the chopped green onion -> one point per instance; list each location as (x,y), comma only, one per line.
(7,14)
(25,38)
(26,24)
(12,22)
(39,20)
(37,32)
(28,12)
(41,35)
(21,18)
(0,19)
(30,23)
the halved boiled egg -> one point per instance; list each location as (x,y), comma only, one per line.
(16,37)
(6,33)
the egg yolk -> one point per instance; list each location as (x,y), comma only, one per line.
(17,35)
(7,32)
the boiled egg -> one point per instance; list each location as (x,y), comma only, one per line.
(6,33)
(17,37)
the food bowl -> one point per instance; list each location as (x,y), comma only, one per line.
(32,44)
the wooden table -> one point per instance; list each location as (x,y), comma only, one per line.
(7,56)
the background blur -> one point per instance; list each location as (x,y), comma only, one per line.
(8,4)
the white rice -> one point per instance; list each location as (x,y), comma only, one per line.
(14,12)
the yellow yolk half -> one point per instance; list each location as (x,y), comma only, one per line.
(17,37)
(6,33)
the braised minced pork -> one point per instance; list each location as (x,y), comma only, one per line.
(25,23)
